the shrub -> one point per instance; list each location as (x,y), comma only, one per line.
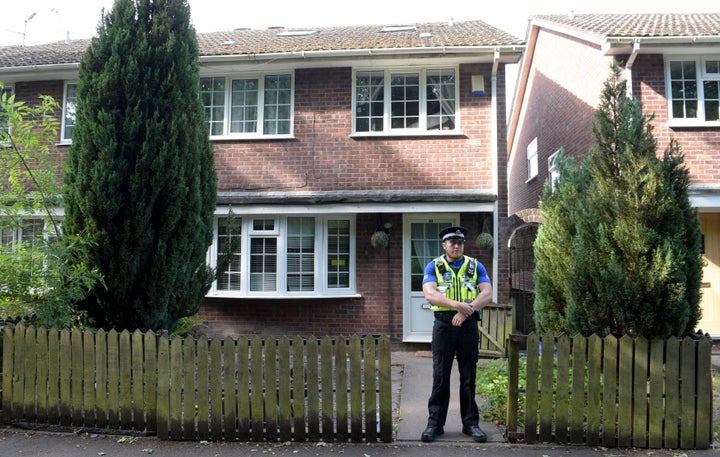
(492,385)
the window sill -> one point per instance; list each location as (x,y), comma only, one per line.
(692,124)
(253,138)
(282,297)
(431,133)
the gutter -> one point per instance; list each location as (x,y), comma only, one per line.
(30,69)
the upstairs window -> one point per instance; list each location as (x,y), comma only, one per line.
(553,170)
(6,94)
(248,107)
(532,159)
(693,90)
(284,256)
(405,102)
(69,112)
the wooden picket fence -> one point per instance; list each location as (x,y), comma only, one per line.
(329,389)
(495,328)
(627,392)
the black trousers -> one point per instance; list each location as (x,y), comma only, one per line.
(449,342)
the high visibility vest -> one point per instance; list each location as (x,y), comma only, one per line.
(461,286)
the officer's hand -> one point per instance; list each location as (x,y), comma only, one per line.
(458,319)
(465,309)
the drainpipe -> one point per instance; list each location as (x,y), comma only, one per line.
(494,143)
(629,64)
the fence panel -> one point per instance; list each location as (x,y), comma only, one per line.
(187,389)
(610,396)
(313,390)
(630,392)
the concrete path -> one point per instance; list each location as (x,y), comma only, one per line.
(416,386)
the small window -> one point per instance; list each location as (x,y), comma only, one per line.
(6,93)
(69,112)
(532,159)
(553,171)
(405,102)
(252,107)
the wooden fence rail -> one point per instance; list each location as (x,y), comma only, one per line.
(199,389)
(627,392)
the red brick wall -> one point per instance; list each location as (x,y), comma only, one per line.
(566,79)
(323,156)
(701,146)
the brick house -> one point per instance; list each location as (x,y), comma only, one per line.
(324,137)
(672,64)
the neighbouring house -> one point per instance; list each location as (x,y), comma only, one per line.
(672,65)
(326,140)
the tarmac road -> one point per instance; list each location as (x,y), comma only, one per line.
(16,442)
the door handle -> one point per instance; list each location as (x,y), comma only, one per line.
(426,306)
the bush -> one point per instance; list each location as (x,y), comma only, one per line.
(492,385)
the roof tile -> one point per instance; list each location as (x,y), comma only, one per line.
(266,41)
(639,25)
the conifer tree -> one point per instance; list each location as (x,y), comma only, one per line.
(140,181)
(631,251)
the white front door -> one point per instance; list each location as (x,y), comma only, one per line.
(421,244)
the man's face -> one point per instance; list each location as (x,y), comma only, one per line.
(453,249)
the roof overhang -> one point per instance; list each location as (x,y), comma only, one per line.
(705,198)
(614,46)
(364,57)
(356,202)
(63,71)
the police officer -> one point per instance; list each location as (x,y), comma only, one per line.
(456,286)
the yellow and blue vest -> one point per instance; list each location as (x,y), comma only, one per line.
(461,285)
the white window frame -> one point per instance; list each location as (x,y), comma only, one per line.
(67,112)
(280,232)
(11,235)
(553,171)
(260,107)
(531,155)
(423,117)
(9,90)
(702,76)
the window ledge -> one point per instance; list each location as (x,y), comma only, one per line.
(253,138)
(693,124)
(431,133)
(282,297)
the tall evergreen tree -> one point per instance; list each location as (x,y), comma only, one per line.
(631,252)
(140,181)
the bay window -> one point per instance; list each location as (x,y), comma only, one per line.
(248,106)
(283,256)
(693,90)
(405,102)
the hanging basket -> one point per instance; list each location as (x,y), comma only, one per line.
(379,240)
(484,241)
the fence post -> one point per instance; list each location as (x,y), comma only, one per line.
(513,351)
